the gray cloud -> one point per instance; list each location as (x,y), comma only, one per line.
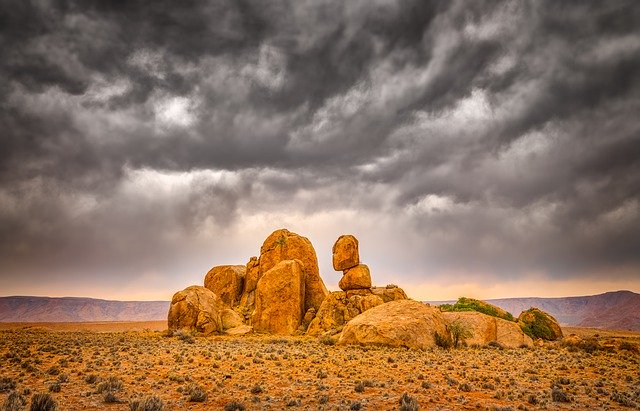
(502,138)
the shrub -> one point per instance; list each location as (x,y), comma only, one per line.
(196,393)
(151,403)
(234,406)
(408,403)
(459,332)
(14,402)
(7,384)
(557,395)
(442,340)
(185,336)
(359,387)
(256,389)
(43,402)
(55,387)
(91,379)
(112,384)
(470,304)
(536,324)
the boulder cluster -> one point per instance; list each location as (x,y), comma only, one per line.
(281,292)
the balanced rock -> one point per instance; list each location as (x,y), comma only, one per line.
(280,295)
(339,308)
(390,293)
(485,329)
(345,253)
(195,309)
(283,245)
(403,323)
(539,324)
(227,282)
(356,278)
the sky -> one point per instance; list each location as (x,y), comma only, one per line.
(485,149)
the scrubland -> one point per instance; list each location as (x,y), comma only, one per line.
(151,370)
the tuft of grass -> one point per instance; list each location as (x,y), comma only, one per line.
(14,402)
(7,384)
(196,393)
(557,395)
(151,403)
(43,402)
(443,340)
(408,403)
(234,406)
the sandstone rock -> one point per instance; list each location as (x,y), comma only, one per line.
(195,309)
(390,293)
(248,298)
(403,323)
(239,330)
(539,324)
(485,328)
(571,340)
(284,245)
(345,253)
(339,308)
(280,299)
(227,282)
(230,319)
(355,278)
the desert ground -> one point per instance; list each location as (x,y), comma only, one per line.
(116,366)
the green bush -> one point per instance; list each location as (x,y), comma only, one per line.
(538,326)
(470,304)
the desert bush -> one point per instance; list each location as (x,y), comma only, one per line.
(91,379)
(185,336)
(469,304)
(459,333)
(494,344)
(557,395)
(359,387)
(355,406)
(43,402)
(442,340)
(256,389)
(196,393)
(7,384)
(55,387)
(408,403)
(234,406)
(465,387)
(151,403)
(327,340)
(111,384)
(14,402)
(627,346)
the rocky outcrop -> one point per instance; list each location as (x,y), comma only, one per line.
(283,245)
(339,308)
(227,282)
(345,253)
(248,297)
(404,323)
(390,293)
(539,324)
(280,299)
(195,309)
(356,278)
(485,329)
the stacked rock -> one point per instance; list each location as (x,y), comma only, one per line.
(346,258)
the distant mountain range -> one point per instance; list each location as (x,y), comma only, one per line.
(72,309)
(618,310)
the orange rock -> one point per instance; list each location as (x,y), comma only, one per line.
(195,309)
(485,328)
(356,278)
(403,323)
(280,299)
(345,253)
(390,293)
(248,298)
(284,245)
(227,282)
(339,308)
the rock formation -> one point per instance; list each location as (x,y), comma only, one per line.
(539,324)
(404,323)
(485,328)
(195,309)
(358,295)
(227,282)
(280,299)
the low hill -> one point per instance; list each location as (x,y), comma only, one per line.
(72,309)
(618,310)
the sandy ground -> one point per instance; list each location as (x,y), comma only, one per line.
(98,326)
(85,366)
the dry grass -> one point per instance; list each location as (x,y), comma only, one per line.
(97,371)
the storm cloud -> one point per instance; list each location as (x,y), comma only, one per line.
(484,145)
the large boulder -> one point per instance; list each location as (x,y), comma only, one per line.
(248,297)
(403,323)
(339,308)
(280,299)
(356,278)
(485,328)
(345,253)
(283,245)
(227,282)
(471,304)
(539,324)
(390,293)
(195,309)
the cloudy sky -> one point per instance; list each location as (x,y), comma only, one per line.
(488,149)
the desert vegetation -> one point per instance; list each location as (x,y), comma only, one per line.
(149,370)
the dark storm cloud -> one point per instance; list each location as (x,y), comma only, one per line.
(504,134)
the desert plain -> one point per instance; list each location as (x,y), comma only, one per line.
(117,366)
